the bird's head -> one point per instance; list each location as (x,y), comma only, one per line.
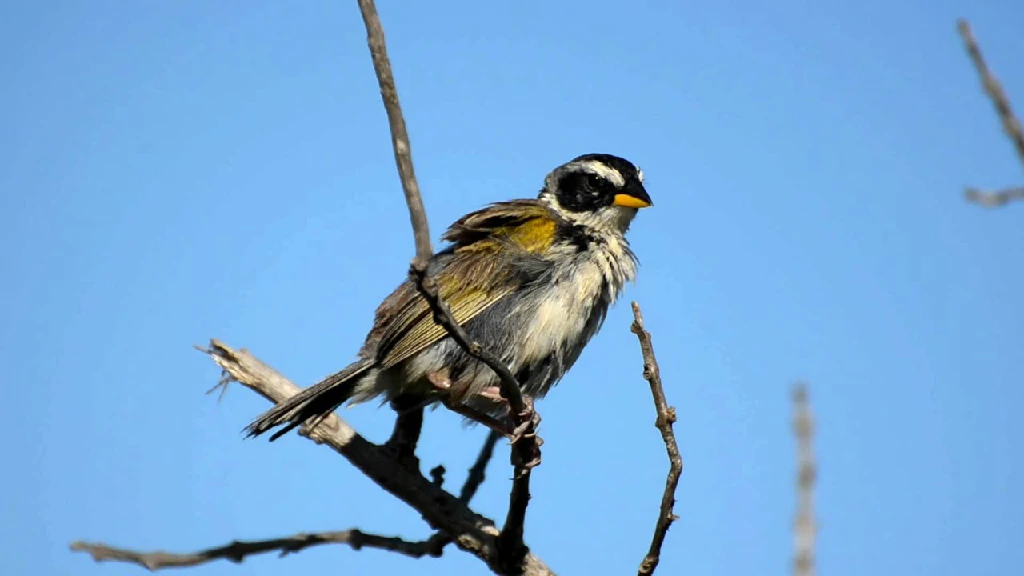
(597,190)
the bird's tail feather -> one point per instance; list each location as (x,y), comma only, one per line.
(315,402)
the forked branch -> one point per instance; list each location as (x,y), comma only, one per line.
(468,530)
(1011,125)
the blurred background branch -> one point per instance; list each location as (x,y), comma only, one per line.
(1011,125)
(804,529)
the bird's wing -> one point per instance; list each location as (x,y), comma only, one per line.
(495,251)
(529,224)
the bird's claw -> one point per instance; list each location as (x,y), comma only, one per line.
(526,458)
(526,428)
(525,441)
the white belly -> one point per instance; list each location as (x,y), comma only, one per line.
(561,317)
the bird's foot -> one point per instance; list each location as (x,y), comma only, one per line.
(525,441)
(520,429)
(526,422)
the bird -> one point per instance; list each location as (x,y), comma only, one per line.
(531,280)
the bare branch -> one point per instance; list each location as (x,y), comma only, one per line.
(399,134)
(470,531)
(525,445)
(417,213)
(804,528)
(238,550)
(1011,125)
(666,417)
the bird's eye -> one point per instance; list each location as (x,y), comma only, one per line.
(595,183)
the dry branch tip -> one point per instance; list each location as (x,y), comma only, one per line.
(666,417)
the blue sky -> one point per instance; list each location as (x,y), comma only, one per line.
(187,170)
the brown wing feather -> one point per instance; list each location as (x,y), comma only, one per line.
(473,278)
(503,219)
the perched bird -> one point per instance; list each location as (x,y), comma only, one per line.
(530,280)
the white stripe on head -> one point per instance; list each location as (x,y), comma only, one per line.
(640,175)
(603,170)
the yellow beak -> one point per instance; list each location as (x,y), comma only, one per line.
(630,201)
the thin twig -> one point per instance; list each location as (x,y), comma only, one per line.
(804,528)
(666,417)
(526,445)
(399,134)
(474,479)
(238,550)
(993,88)
(1011,125)
(477,473)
